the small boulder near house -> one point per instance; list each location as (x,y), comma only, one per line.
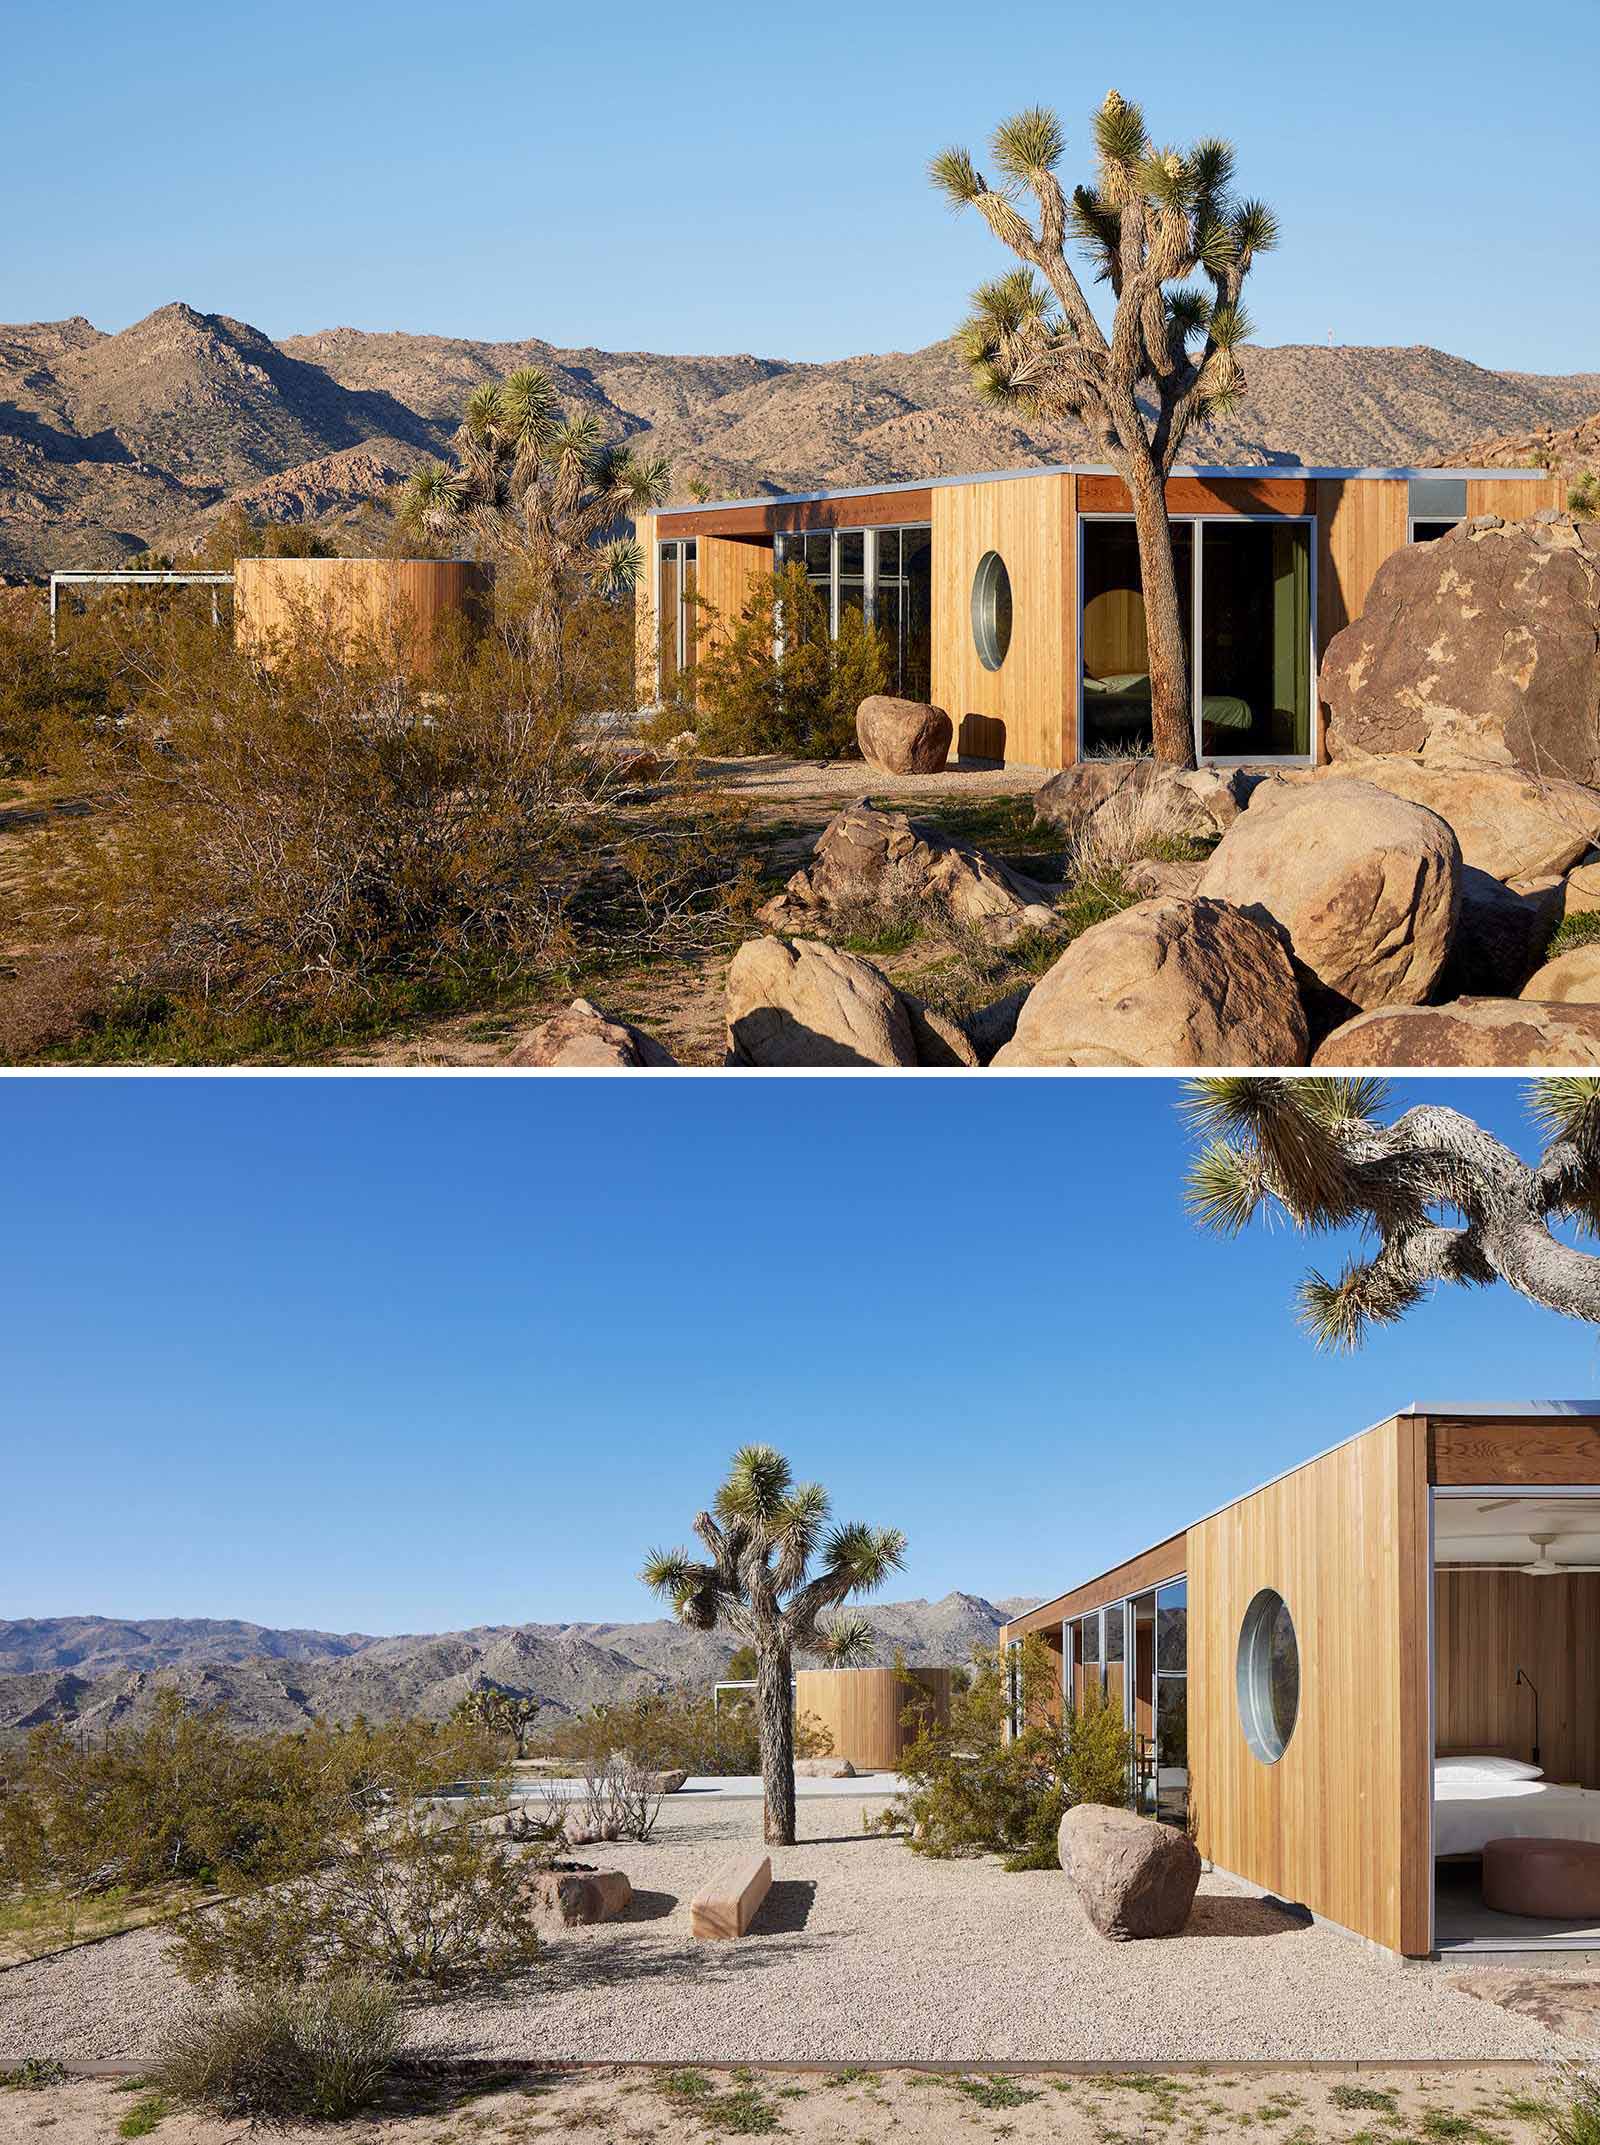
(1136,1878)
(903,737)
(584,1036)
(1480,648)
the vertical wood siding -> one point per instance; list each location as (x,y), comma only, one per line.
(1335,1822)
(1024,712)
(861,1709)
(398,604)
(1514,498)
(726,568)
(1360,522)
(645,643)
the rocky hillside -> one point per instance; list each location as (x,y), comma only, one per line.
(1572,452)
(109,443)
(88,1670)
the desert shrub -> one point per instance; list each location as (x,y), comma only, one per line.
(620,1801)
(1582,929)
(974,1789)
(45,695)
(1583,495)
(772,680)
(326,843)
(397,1884)
(1572,2116)
(1133,824)
(676,1730)
(286,2054)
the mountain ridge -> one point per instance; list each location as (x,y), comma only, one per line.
(89,1671)
(112,442)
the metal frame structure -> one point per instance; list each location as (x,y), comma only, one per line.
(134,577)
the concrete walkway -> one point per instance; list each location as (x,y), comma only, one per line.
(738,1787)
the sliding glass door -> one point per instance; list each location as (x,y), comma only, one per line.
(1244,590)
(676,617)
(885,575)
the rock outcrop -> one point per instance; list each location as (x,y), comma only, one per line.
(1366,885)
(1572,978)
(809,1004)
(903,737)
(1509,824)
(1199,801)
(1483,648)
(1175,982)
(868,858)
(584,1036)
(1135,1878)
(1469,1031)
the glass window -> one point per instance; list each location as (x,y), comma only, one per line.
(1113,647)
(852,554)
(1429,532)
(1437,499)
(667,618)
(991,610)
(916,659)
(819,554)
(1172,1628)
(1091,1637)
(1267,1676)
(1172,1749)
(1255,640)
(1114,1632)
(888,552)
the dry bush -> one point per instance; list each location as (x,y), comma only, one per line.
(620,1800)
(676,1731)
(1136,822)
(773,680)
(325,840)
(286,2055)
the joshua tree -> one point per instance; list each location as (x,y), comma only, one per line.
(542,489)
(501,1712)
(1316,1152)
(760,1541)
(1152,219)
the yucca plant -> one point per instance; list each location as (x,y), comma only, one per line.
(1152,221)
(541,490)
(1444,1199)
(761,1538)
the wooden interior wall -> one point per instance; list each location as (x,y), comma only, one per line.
(397,604)
(645,591)
(1026,711)
(1361,521)
(1340,1822)
(862,1709)
(1488,1625)
(1514,497)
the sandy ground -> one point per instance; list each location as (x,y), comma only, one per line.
(866,1953)
(835,783)
(863,2108)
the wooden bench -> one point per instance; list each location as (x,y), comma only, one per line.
(729,1903)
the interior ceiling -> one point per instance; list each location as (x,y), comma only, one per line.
(1485,1529)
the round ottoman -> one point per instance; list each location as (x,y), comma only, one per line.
(1556,1879)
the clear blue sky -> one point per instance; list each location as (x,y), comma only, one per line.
(407,1355)
(717,178)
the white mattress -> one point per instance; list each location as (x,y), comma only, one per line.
(1467,1812)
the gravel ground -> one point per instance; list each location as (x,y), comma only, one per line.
(866,1953)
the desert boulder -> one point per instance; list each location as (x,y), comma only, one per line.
(584,1036)
(866,858)
(1366,885)
(1173,982)
(903,737)
(1468,1031)
(807,1003)
(1135,1878)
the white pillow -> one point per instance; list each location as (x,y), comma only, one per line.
(1485,1766)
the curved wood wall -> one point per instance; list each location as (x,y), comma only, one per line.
(861,1709)
(396,604)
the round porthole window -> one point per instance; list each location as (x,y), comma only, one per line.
(1268,1676)
(991,610)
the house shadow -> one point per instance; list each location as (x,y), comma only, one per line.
(1226,1914)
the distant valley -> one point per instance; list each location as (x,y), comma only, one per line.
(92,1671)
(111,443)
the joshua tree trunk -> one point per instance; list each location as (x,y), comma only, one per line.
(1171,717)
(775,1716)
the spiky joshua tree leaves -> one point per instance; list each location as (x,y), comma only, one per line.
(1164,229)
(1442,1198)
(773,1570)
(540,489)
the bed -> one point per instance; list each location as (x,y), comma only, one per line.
(1120,705)
(1485,1796)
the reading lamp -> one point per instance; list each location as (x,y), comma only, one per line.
(1523,1677)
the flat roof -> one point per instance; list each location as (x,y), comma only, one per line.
(1286,472)
(1457,1410)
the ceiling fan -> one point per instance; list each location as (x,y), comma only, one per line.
(1544,1566)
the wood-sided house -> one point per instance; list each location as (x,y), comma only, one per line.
(1012,600)
(1350,1680)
